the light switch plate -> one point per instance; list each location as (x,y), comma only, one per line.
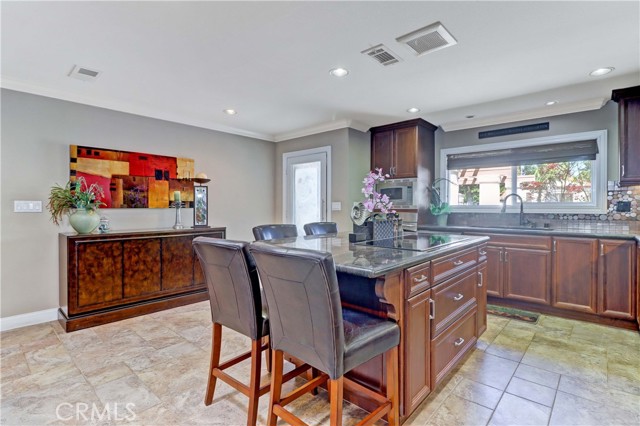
(336,206)
(21,206)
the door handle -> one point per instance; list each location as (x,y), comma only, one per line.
(458,342)
(506,256)
(458,262)
(482,252)
(432,309)
(601,249)
(501,256)
(420,279)
(622,174)
(458,297)
(555,246)
(480,279)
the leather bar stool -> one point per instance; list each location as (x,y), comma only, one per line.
(320,228)
(236,303)
(275,231)
(308,323)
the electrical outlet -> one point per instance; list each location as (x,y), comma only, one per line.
(20,206)
(623,206)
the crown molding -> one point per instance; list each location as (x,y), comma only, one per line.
(532,114)
(321,128)
(130,108)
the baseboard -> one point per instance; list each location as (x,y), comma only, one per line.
(23,320)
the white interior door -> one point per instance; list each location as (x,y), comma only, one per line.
(306,186)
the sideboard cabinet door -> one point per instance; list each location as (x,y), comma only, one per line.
(99,274)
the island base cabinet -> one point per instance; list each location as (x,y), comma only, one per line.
(451,345)
(417,353)
(481,298)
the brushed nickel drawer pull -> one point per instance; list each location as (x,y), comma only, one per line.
(458,262)
(480,279)
(458,297)
(432,309)
(482,252)
(420,279)
(458,342)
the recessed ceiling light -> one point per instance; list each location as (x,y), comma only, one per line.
(339,72)
(550,103)
(230,111)
(601,71)
(469,116)
(413,110)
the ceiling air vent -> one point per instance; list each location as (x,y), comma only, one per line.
(428,39)
(382,55)
(83,73)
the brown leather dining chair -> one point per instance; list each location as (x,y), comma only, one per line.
(308,323)
(275,231)
(320,228)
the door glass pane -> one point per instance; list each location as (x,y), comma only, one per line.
(307,191)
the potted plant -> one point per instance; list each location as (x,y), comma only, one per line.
(439,208)
(364,215)
(78,200)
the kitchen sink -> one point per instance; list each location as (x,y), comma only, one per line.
(536,228)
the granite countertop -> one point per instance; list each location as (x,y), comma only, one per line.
(370,261)
(622,230)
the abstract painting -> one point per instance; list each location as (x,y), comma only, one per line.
(134,179)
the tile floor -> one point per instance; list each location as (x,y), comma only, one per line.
(556,372)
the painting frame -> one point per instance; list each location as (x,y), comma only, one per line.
(201,206)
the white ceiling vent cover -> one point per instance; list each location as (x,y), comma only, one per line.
(382,55)
(428,39)
(84,73)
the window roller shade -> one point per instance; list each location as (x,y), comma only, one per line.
(541,154)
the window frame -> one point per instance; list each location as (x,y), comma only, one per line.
(598,204)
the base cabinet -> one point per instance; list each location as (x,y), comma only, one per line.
(616,272)
(417,385)
(109,277)
(575,274)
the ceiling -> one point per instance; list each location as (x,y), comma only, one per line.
(188,61)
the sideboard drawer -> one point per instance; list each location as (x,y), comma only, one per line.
(452,298)
(448,266)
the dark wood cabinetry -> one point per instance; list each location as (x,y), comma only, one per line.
(575,274)
(400,148)
(417,332)
(519,268)
(108,277)
(629,133)
(616,272)
(481,295)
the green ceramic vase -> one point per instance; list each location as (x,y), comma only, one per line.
(84,221)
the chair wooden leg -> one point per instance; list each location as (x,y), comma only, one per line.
(336,386)
(267,353)
(216,343)
(254,384)
(393,416)
(276,386)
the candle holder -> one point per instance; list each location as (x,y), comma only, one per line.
(178,206)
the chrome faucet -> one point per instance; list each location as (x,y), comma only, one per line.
(504,207)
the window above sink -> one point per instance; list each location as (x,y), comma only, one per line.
(555,174)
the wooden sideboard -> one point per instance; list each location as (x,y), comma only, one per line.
(113,276)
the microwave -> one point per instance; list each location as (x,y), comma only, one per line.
(400,192)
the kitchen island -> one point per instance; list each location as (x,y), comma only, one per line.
(431,284)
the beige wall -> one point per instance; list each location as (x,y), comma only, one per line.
(36,134)
(349,161)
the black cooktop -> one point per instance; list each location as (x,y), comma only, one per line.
(420,241)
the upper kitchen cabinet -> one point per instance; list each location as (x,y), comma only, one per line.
(629,133)
(400,147)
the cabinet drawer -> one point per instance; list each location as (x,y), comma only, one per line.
(448,266)
(417,279)
(448,348)
(511,240)
(452,298)
(482,253)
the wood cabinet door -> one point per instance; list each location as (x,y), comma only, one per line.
(493,277)
(141,267)
(177,262)
(417,344)
(481,297)
(382,151)
(629,128)
(574,277)
(99,275)
(527,275)
(405,152)
(616,271)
